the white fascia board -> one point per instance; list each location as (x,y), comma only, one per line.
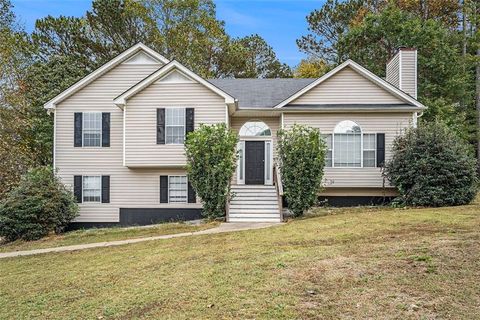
(369,75)
(102,70)
(121,100)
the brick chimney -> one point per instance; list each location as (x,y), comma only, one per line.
(402,70)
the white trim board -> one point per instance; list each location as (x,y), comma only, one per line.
(102,70)
(366,73)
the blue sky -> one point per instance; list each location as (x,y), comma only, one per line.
(279,22)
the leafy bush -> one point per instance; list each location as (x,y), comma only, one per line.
(431,166)
(301,159)
(38,205)
(211,160)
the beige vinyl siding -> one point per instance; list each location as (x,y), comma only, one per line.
(141,148)
(393,71)
(272,122)
(347,86)
(408,70)
(391,124)
(128,188)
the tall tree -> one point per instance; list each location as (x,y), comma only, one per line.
(258,60)
(327,24)
(311,68)
(14,59)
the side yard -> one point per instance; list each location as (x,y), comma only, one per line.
(348,263)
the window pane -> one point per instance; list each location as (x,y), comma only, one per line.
(328,159)
(347,151)
(255,128)
(328,141)
(175,125)
(177,189)
(92,188)
(92,129)
(369,158)
(369,141)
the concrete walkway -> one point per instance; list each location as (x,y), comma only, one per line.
(224,227)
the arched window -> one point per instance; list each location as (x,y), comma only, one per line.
(347,144)
(255,129)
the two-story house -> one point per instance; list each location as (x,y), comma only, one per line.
(119,133)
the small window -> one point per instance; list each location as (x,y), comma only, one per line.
(92,188)
(177,189)
(255,129)
(328,157)
(175,125)
(369,149)
(92,129)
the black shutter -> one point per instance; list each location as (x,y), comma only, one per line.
(77,130)
(77,188)
(163,189)
(105,129)
(189,121)
(192,197)
(105,189)
(380,149)
(161,126)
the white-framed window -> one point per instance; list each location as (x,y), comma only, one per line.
(328,156)
(92,129)
(369,149)
(347,145)
(177,189)
(255,129)
(92,188)
(175,125)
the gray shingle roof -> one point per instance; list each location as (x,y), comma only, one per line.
(260,93)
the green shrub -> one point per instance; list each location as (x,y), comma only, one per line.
(301,160)
(431,166)
(39,205)
(211,160)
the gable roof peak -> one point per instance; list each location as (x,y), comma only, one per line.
(362,71)
(121,100)
(130,52)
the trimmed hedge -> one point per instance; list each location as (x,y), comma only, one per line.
(39,205)
(432,166)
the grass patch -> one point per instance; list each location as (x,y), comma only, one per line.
(349,263)
(103,234)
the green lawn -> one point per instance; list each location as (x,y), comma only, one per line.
(103,234)
(350,264)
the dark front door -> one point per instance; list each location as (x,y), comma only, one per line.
(254,162)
